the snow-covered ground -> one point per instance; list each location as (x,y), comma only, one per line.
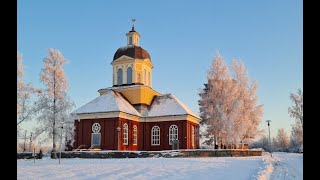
(281,166)
(287,166)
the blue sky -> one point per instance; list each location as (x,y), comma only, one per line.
(181,36)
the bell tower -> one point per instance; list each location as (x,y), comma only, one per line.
(132,72)
(132,64)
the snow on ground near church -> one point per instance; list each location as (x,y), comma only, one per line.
(281,166)
(287,166)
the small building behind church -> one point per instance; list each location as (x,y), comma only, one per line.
(131,115)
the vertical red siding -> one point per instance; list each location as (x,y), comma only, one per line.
(109,134)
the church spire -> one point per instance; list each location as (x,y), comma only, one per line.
(133,21)
(133,36)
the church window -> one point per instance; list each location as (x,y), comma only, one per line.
(155,135)
(192,136)
(119,76)
(173,133)
(145,77)
(149,78)
(96,135)
(125,134)
(135,135)
(139,78)
(129,75)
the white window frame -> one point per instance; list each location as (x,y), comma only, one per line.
(192,136)
(99,138)
(173,133)
(125,134)
(135,135)
(155,137)
(129,75)
(119,76)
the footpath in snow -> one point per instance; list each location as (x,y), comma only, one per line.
(287,166)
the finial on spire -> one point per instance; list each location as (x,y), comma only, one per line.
(133,21)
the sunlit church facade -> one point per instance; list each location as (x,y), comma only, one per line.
(131,115)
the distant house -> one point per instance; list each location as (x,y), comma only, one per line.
(131,115)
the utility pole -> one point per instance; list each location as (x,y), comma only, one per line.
(268,121)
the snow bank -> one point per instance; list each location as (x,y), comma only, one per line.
(267,168)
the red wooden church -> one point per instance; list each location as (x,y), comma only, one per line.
(131,115)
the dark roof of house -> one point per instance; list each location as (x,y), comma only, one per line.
(132,51)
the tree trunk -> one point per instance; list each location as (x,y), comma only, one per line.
(54,154)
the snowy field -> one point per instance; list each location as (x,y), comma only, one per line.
(281,166)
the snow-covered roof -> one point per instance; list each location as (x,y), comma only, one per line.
(168,105)
(111,101)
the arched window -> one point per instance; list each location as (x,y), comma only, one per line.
(149,78)
(125,134)
(119,76)
(192,136)
(129,75)
(139,78)
(96,135)
(135,135)
(130,40)
(173,133)
(155,135)
(145,77)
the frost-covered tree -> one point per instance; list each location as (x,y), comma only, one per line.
(214,98)
(296,111)
(25,92)
(54,105)
(296,138)
(282,140)
(274,144)
(249,113)
(228,103)
(263,143)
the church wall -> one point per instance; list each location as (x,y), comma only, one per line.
(164,135)
(130,124)
(109,134)
(189,134)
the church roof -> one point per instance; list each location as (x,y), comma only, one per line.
(132,51)
(168,105)
(111,101)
